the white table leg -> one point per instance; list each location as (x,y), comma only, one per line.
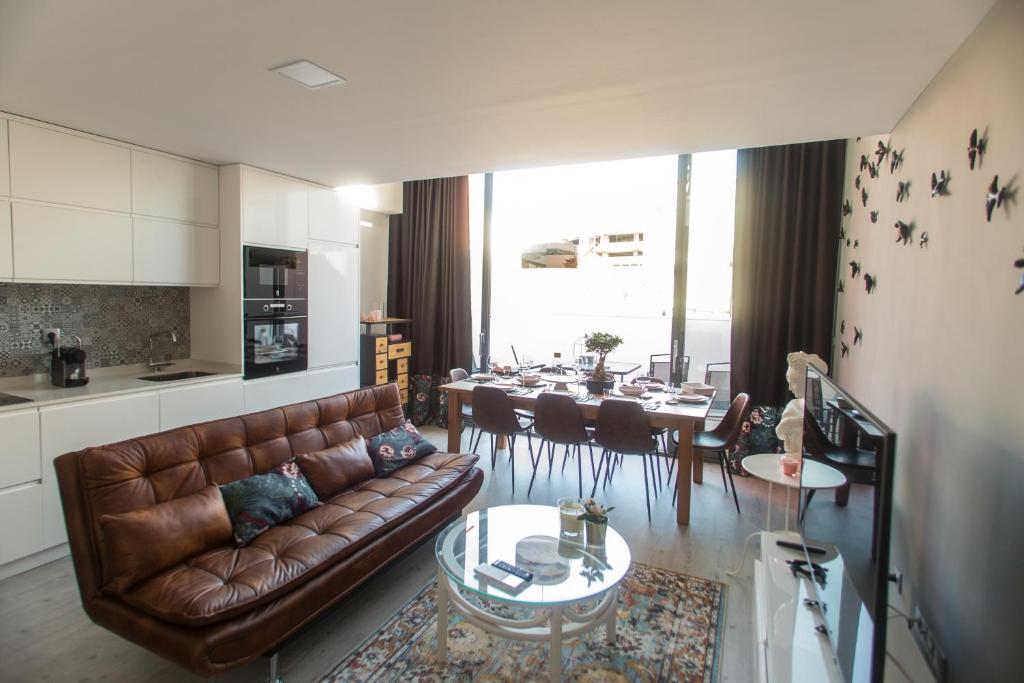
(442,616)
(787,508)
(555,656)
(613,614)
(768,527)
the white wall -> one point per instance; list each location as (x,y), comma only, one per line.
(941,358)
(373,261)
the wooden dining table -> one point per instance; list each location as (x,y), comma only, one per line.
(683,417)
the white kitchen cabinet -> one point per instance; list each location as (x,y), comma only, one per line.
(6,255)
(165,187)
(74,426)
(19,447)
(332,217)
(275,210)
(333,300)
(173,253)
(331,381)
(55,243)
(272,392)
(5,166)
(201,402)
(52,166)
(21,522)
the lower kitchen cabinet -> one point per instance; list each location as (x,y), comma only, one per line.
(330,381)
(19,447)
(272,392)
(201,402)
(21,522)
(74,426)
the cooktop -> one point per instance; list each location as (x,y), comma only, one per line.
(9,400)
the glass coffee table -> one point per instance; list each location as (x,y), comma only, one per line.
(566,572)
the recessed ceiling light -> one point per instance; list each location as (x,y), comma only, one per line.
(309,74)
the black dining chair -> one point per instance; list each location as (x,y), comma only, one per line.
(559,422)
(623,429)
(494,414)
(458,375)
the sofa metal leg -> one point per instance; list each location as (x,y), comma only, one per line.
(274,676)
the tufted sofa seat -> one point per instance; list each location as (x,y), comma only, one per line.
(225,606)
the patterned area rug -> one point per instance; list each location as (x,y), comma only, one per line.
(669,629)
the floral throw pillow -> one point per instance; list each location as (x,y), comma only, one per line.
(397,448)
(257,503)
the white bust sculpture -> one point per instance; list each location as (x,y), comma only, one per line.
(797,370)
(791,428)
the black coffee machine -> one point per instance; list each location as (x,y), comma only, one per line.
(67,365)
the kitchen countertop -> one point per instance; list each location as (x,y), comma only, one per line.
(123,379)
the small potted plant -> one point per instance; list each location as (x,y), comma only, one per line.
(602,344)
(595,517)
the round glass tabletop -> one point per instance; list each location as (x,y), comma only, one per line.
(529,536)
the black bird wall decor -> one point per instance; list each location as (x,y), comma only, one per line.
(856,243)
(863,162)
(864,196)
(842,327)
(882,151)
(869,282)
(847,207)
(854,269)
(844,348)
(840,289)
(874,216)
(842,233)
(902,190)
(857,335)
(847,241)
(923,240)
(1019,264)
(940,184)
(975,148)
(873,169)
(856,181)
(895,161)
(994,198)
(903,232)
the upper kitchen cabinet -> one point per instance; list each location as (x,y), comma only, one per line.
(6,257)
(176,189)
(332,217)
(64,168)
(174,253)
(59,244)
(275,210)
(5,177)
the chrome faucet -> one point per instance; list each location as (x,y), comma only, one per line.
(159,365)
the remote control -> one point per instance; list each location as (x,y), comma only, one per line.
(513,570)
(813,550)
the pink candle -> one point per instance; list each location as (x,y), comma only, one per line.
(789,465)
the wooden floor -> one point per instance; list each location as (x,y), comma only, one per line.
(45,635)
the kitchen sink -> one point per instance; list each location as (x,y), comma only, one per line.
(171,376)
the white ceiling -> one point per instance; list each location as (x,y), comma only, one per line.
(459,86)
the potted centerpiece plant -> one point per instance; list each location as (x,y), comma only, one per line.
(602,344)
(595,518)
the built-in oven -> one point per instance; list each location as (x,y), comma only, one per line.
(275,337)
(274,273)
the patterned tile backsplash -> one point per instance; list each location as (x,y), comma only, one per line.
(113,321)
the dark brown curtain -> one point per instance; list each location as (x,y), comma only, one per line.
(428,273)
(788,212)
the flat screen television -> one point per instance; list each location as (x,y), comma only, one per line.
(842,433)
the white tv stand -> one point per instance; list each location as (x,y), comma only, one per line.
(787,646)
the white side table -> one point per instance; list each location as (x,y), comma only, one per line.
(766,467)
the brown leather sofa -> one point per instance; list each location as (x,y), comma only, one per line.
(226,606)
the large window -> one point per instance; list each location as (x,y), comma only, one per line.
(591,247)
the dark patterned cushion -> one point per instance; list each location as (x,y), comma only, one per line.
(398,447)
(257,503)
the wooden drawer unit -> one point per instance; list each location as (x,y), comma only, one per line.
(381,361)
(381,377)
(405,396)
(403,381)
(381,344)
(399,350)
(402,365)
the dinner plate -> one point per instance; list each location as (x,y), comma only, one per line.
(519,382)
(482,376)
(690,398)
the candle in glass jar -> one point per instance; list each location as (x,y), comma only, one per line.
(569,511)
